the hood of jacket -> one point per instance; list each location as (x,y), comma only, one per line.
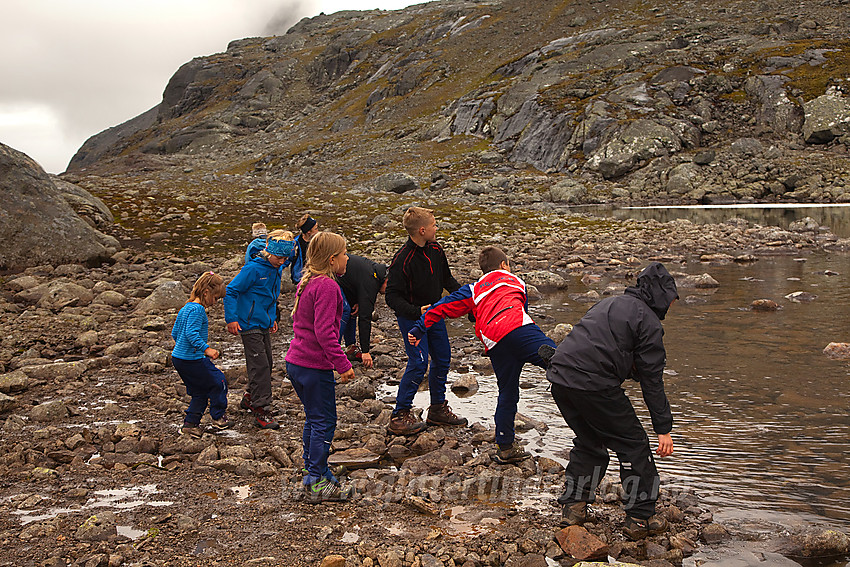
(655,287)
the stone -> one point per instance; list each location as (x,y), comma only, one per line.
(764,305)
(425,443)
(580,544)
(396,183)
(816,541)
(358,389)
(49,411)
(826,118)
(39,226)
(543,279)
(801,297)
(568,191)
(465,385)
(702,281)
(333,561)
(60,294)
(122,350)
(98,527)
(111,298)
(354,458)
(433,462)
(560,332)
(168,295)
(837,351)
(527,560)
(12,382)
(7,403)
(714,533)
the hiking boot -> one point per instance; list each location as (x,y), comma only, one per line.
(405,423)
(264,419)
(193,430)
(222,423)
(245,404)
(546,352)
(574,514)
(326,490)
(442,414)
(636,528)
(352,353)
(512,453)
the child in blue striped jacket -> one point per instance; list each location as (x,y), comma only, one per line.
(192,357)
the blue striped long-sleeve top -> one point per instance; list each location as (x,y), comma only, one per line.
(190,332)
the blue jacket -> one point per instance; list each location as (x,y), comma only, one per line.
(255,247)
(190,332)
(251,297)
(300,252)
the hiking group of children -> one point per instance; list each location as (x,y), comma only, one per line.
(620,337)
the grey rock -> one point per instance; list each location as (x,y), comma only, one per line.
(59,371)
(122,350)
(87,206)
(396,183)
(701,281)
(111,298)
(434,462)
(49,411)
(817,542)
(39,227)
(746,147)
(826,118)
(12,382)
(99,527)
(168,295)
(704,157)
(626,148)
(776,111)
(683,179)
(7,403)
(465,384)
(543,279)
(568,191)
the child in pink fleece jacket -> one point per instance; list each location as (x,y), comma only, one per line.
(313,355)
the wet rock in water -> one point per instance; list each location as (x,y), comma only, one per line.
(545,280)
(837,351)
(580,544)
(98,527)
(714,533)
(801,297)
(525,423)
(816,542)
(169,295)
(560,332)
(49,411)
(695,300)
(764,305)
(465,385)
(703,281)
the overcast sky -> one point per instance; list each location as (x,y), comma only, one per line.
(72,68)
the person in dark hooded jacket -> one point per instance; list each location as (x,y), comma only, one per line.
(620,337)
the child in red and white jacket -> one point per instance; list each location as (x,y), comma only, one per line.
(499,303)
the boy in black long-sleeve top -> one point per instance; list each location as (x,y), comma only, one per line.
(417,277)
(620,337)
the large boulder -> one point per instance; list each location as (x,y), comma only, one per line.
(90,208)
(169,295)
(827,117)
(37,226)
(776,111)
(628,148)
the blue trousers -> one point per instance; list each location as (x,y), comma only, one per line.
(435,343)
(508,357)
(316,390)
(206,384)
(346,322)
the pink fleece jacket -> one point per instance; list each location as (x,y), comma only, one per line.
(315,343)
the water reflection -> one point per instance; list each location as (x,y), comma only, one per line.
(836,217)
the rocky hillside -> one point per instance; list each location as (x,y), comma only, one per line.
(707,101)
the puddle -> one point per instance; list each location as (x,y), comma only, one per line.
(130,532)
(126,498)
(28,516)
(241,492)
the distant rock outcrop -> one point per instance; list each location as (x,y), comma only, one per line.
(38,226)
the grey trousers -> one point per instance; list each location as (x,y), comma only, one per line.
(258,361)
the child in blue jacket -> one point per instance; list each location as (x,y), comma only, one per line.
(250,310)
(192,357)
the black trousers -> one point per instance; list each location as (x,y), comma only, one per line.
(258,363)
(603,420)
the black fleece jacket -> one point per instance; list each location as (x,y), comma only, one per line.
(621,337)
(417,276)
(361,283)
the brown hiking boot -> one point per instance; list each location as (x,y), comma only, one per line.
(512,453)
(636,528)
(442,414)
(574,514)
(405,423)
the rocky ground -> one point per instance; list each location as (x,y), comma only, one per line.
(94,473)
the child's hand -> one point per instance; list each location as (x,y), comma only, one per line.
(366,359)
(424,308)
(233,327)
(412,340)
(212,353)
(346,376)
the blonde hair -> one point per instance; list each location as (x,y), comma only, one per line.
(208,283)
(281,234)
(321,249)
(415,218)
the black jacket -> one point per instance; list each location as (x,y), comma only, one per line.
(417,276)
(360,284)
(621,337)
